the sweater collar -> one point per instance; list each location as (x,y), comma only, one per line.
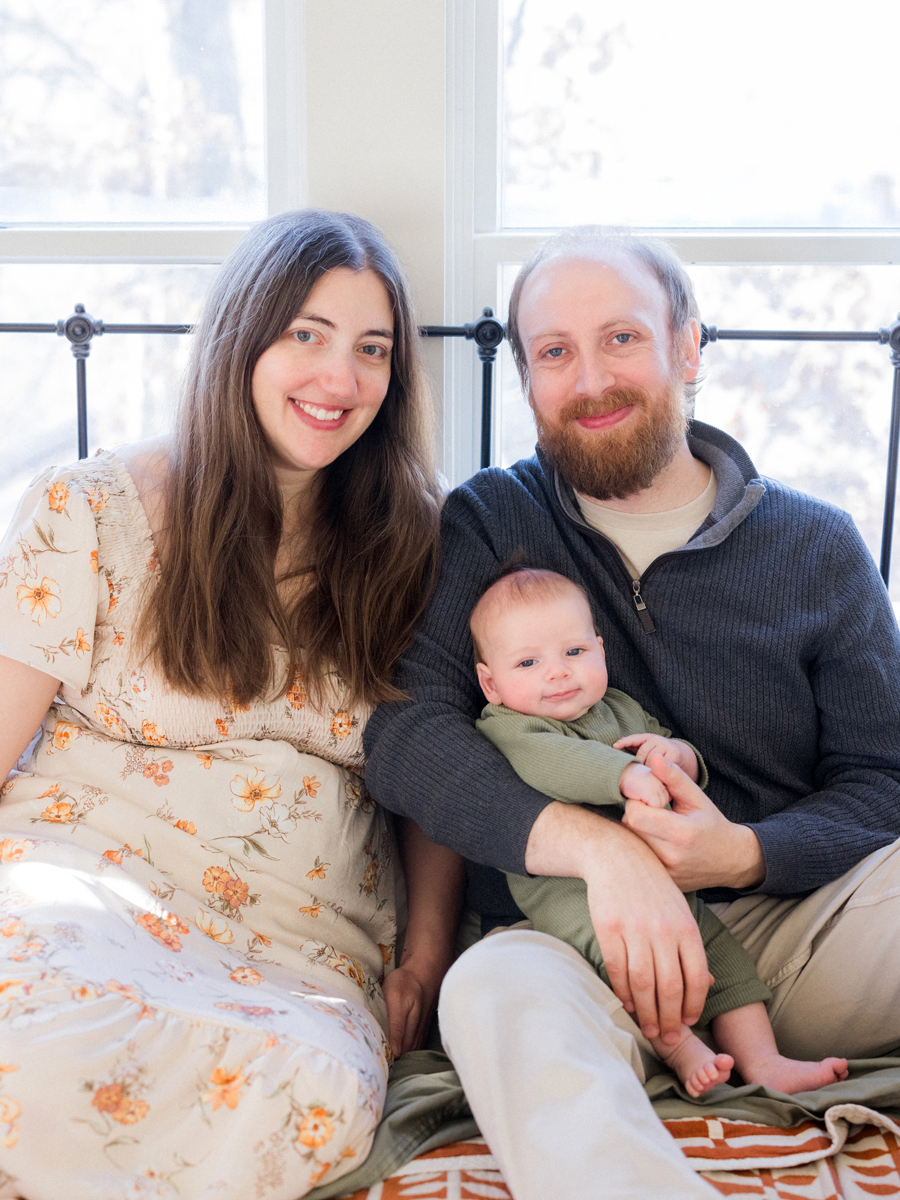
(739,487)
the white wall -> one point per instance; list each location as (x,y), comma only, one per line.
(375,132)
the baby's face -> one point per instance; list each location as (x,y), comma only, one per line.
(543,658)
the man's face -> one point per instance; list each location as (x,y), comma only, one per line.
(606,381)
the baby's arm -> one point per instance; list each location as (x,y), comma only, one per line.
(671,749)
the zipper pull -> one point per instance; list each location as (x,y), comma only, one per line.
(642,611)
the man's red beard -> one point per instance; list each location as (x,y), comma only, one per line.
(614,463)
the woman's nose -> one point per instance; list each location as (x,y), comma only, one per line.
(338,376)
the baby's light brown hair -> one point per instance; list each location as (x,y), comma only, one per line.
(519,586)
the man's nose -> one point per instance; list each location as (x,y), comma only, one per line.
(594,373)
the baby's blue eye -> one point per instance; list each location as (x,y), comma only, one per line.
(574,651)
(527,662)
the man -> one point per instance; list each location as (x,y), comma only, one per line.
(747,618)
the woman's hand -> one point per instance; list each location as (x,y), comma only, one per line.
(411,995)
(434,885)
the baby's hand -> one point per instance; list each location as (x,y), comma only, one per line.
(638,782)
(671,749)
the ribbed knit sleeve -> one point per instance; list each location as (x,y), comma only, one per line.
(853,806)
(425,758)
(570,769)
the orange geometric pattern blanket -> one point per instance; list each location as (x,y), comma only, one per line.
(847,1156)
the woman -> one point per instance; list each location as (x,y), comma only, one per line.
(197,896)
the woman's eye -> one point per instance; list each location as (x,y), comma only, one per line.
(374,351)
(554,352)
(304,335)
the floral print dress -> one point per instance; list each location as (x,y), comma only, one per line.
(197,899)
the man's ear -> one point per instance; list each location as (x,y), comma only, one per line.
(690,353)
(486,680)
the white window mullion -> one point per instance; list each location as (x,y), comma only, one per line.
(286,174)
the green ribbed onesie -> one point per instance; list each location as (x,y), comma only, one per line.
(574,761)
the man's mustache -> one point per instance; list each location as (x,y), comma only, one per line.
(585,406)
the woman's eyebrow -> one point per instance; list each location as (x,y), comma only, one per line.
(384,333)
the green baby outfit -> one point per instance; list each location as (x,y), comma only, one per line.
(574,761)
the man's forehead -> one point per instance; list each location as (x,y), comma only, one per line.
(602,277)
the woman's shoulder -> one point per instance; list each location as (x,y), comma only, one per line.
(147,465)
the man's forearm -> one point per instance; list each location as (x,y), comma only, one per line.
(566,840)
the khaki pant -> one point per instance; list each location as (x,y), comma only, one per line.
(553,1065)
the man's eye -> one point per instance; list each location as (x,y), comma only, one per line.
(574,651)
(526,662)
(554,352)
(622,338)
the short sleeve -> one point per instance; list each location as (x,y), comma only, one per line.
(49,580)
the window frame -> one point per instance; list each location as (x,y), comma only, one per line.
(478,245)
(189,244)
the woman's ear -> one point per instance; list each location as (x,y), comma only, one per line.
(486,680)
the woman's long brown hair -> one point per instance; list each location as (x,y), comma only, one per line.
(370,553)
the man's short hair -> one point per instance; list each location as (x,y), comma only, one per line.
(585,240)
(519,586)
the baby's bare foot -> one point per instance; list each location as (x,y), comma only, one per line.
(698,1067)
(790,1075)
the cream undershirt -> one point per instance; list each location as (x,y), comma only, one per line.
(642,537)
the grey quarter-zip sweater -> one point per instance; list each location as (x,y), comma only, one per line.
(768,641)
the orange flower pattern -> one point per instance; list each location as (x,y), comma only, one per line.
(316,1128)
(114,1100)
(246,975)
(41,598)
(119,762)
(226,1088)
(57,497)
(254,788)
(341,724)
(64,733)
(152,735)
(296,694)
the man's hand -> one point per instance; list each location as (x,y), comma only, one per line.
(673,750)
(650,942)
(638,782)
(696,844)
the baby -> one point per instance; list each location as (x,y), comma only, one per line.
(541,665)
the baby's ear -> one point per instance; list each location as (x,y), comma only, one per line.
(483,671)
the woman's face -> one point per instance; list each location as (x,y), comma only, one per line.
(318,388)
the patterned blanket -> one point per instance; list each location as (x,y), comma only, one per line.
(837,1159)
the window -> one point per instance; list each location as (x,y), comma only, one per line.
(728,136)
(133,155)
